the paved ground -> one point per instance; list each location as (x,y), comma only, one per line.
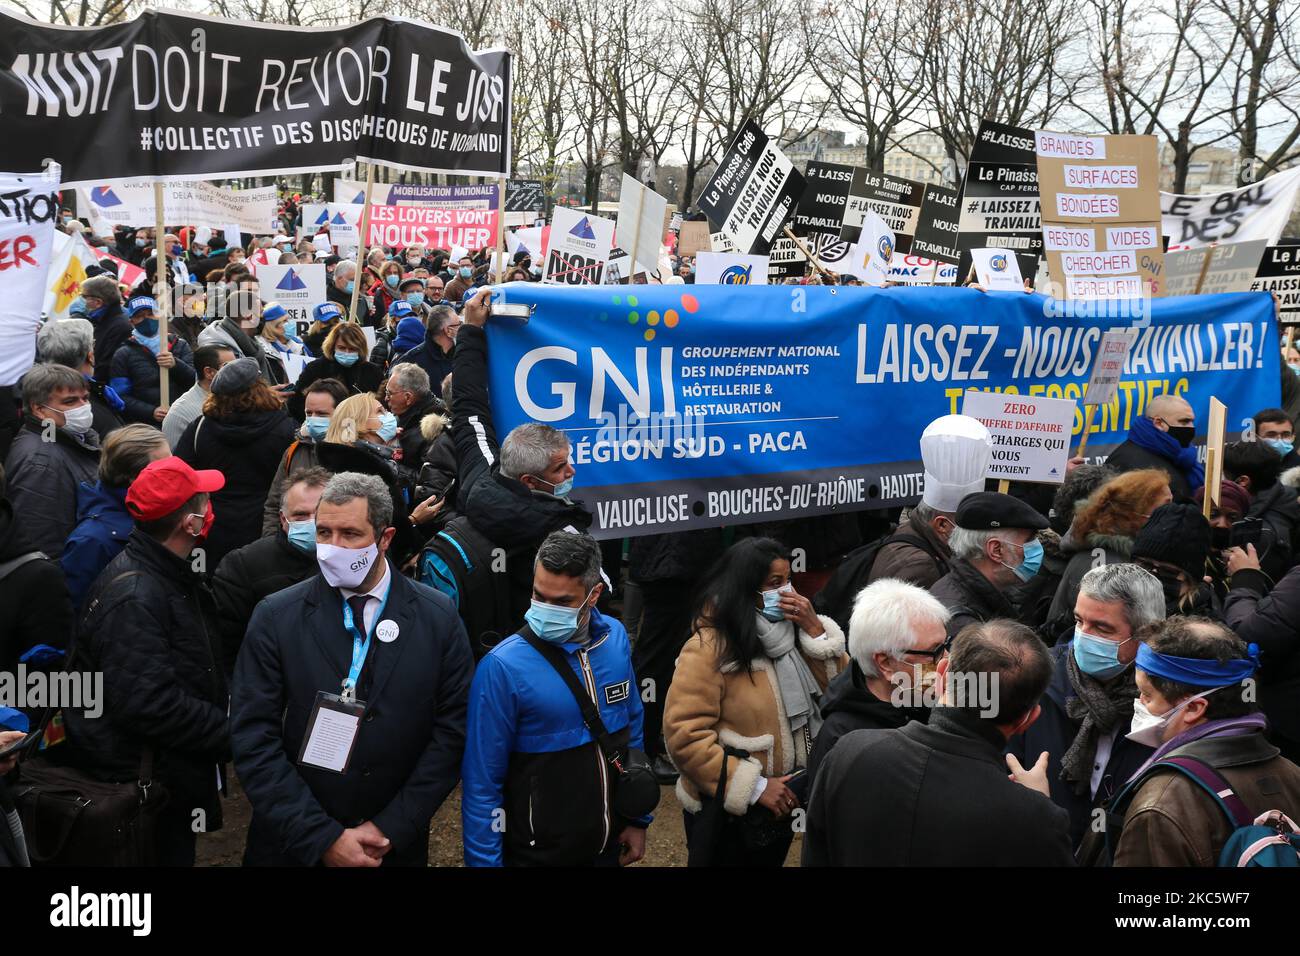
(665,845)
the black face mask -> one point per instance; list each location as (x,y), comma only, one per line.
(1221,538)
(1183,434)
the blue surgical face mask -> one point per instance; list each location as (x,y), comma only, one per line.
(151,342)
(466,272)
(392,279)
(1096,656)
(1280,445)
(316,426)
(346,358)
(139,243)
(387,426)
(772,602)
(302,534)
(562,489)
(147,327)
(554,623)
(1033,560)
(78,307)
(1294,368)
(350,287)
(415,298)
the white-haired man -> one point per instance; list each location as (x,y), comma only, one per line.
(897,636)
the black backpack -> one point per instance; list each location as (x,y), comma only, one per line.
(836,597)
(458,561)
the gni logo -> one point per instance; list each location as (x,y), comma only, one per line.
(736,275)
(75,909)
(998,263)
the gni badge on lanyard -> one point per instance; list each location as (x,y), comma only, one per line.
(335,719)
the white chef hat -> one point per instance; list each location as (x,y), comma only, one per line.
(956,450)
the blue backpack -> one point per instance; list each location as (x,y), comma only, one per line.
(1269,839)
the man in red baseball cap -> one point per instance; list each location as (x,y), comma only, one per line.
(151,629)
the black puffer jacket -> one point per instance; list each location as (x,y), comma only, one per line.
(849,705)
(246,448)
(370,459)
(248,574)
(135,377)
(149,629)
(357,378)
(1271,619)
(111,330)
(970,596)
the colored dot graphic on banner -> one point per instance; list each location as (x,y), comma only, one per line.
(669,318)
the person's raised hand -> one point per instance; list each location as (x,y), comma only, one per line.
(478,309)
(1035,778)
(799,610)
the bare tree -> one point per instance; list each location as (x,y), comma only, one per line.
(865,58)
(544,66)
(1263,79)
(80,13)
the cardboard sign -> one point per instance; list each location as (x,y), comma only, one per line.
(1257,211)
(579,249)
(1279,274)
(299,288)
(1031,435)
(693,238)
(525,195)
(753,192)
(997,270)
(999,202)
(1214,440)
(896,201)
(641,216)
(1108,366)
(1230,267)
(936,225)
(730,268)
(1101,214)
(821,210)
(785,261)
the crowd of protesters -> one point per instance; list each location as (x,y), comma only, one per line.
(978,680)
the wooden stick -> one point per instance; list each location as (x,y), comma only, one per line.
(501,229)
(363,234)
(1208,503)
(1087,428)
(1205,267)
(161,297)
(807,254)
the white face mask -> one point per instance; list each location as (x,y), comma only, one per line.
(78,420)
(346,567)
(1147,728)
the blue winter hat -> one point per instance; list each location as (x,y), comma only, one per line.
(140,303)
(326,312)
(273,312)
(410,333)
(11,719)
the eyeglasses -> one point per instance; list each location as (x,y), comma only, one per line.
(936,654)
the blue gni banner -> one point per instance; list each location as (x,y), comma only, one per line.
(697,406)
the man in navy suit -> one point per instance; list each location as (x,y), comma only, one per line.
(348,704)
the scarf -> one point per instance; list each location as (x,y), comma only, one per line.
(1100,707)
(1146,436)
(247,346)
(799,690)
(1224,727)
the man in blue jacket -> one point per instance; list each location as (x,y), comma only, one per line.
(347,716)
(537,789)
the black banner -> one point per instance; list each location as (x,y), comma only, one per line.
(936,231)
(175,95)
(999,201)
(753,192)
(895,200)
(525,195)
(1279,273)
(821,211)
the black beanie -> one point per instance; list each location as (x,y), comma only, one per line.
(1176,534)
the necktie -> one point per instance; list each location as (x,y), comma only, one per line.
(358,605)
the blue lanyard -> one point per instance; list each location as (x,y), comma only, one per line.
(360,648)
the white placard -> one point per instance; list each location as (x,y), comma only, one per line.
(641,212)
(131,204)
(299,288)
(1031,435)
(997,270)
(913,270)
(27,215)
(1108,366)
(1257,211)
(730,268)
(579,248)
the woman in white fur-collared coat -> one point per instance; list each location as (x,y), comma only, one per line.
(749,679)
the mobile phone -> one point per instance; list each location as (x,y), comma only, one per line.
(1247,531)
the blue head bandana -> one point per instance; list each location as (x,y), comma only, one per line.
(1197,671)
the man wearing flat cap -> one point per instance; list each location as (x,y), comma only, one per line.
(995,548)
